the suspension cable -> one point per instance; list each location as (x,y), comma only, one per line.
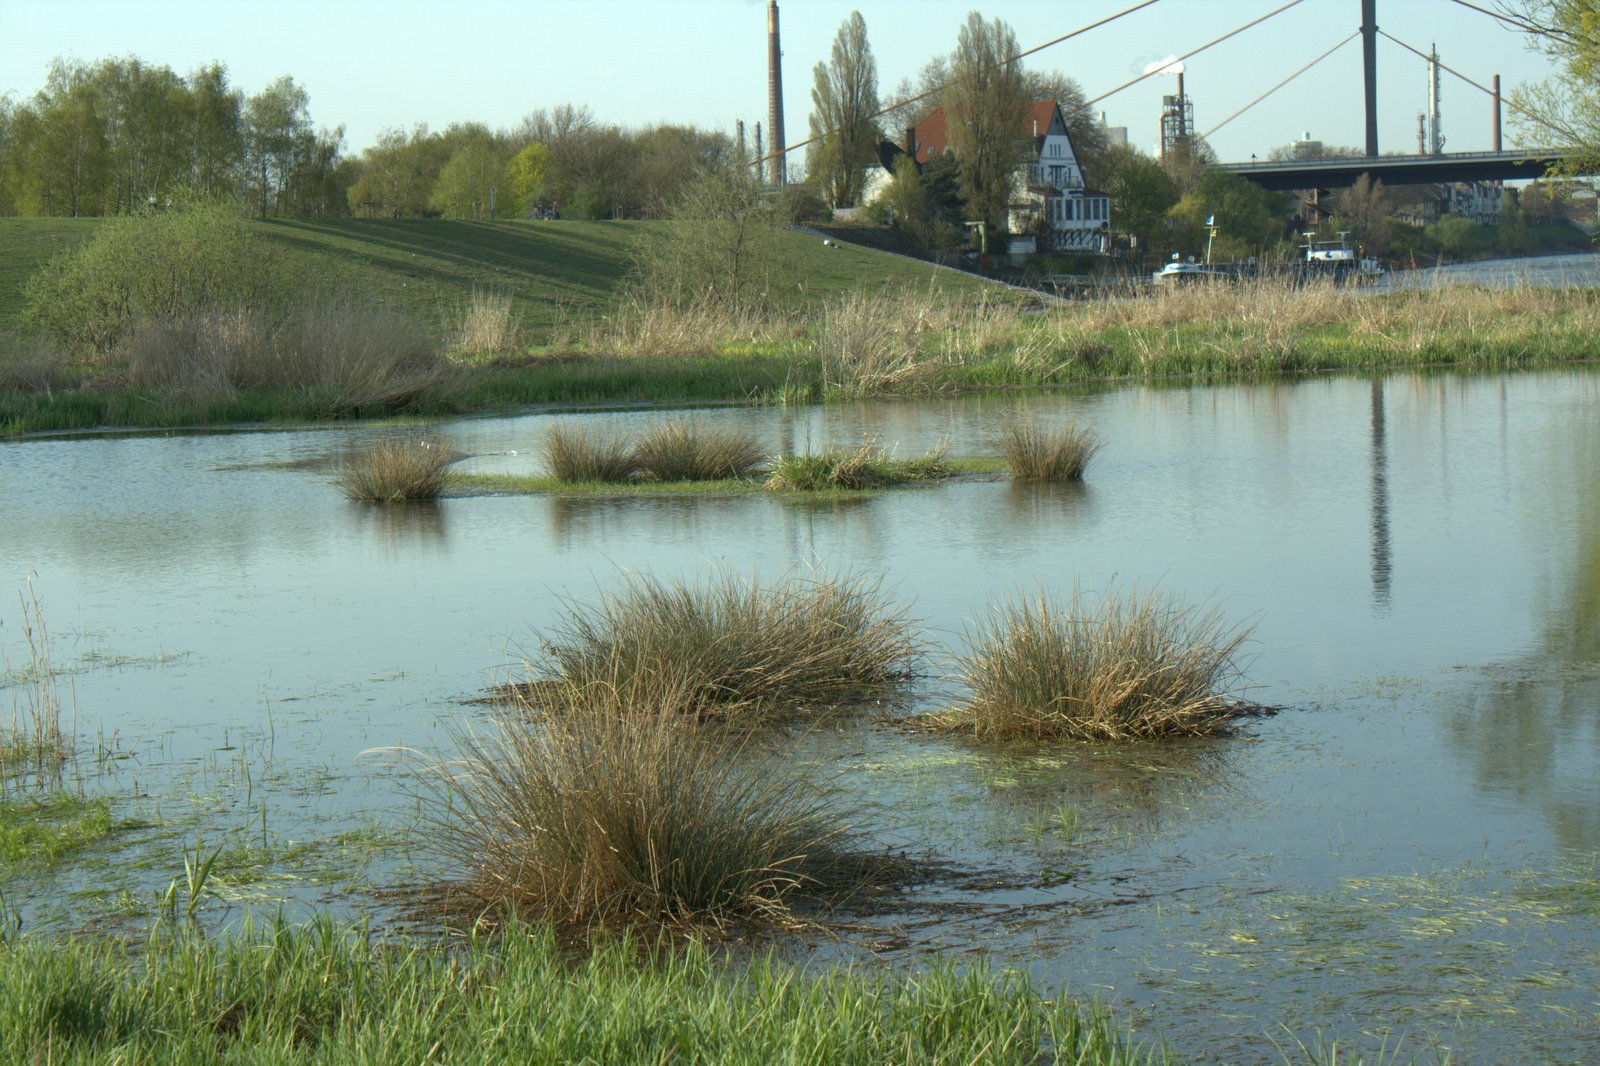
(1195,52)
(944,85)
(1572,138)
(1280,85)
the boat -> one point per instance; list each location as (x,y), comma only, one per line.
(1181,272)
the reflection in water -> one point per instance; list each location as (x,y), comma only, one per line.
(403,526)
(1380,504)
(1033,507)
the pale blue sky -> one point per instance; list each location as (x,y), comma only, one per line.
(373,63)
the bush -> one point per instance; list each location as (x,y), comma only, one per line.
(680,451)
(395,471)
(1035,454)
(1116,667)
(156,265)
(724,644)
(593,819)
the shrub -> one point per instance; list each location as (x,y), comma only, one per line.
(592,818)
(680,451)
(1036,454)
(725,644)
(157,265)
(572,454)
(1111,668)
(394,471)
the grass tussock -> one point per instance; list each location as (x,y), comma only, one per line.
(1035,453)
(1112,667)
(725,644)
(595,819)
(678,450)
(866,466)
(871,343)
(351,357)
(574,454)
(396,471)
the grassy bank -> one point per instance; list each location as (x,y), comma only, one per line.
(324,994)
(856,323)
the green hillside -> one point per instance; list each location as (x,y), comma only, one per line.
(550,269)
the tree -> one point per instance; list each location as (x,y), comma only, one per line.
(1247,217)
(397,174)
(1456,236)
(524,176)
(1565,108)
(1141,192)
(467,180)
(1366,207)
(985,104)
(215,131)
(277,126)
(1513,235)
(921,202)
(843,100)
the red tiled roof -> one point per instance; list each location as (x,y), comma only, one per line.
(933,133)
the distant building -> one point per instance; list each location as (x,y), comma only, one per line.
(1049,197)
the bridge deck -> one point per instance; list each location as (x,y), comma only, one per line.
(1399,169)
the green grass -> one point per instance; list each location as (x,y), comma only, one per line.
(320,994)
(541,485)
(867,466)
(43,829)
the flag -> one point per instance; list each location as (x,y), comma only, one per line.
(1212,221)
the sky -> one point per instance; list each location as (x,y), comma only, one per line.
(372,64)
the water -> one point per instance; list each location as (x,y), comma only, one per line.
(1406,852)
(1535,272)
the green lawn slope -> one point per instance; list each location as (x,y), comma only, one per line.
(553,271)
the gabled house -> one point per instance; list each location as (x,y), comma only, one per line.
(1049,197)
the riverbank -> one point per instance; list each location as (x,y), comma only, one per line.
(902,341)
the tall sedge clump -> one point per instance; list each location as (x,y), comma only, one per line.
(725,644)
(396,471)
(679,450)
(1036,453)
(591,819)
(573,454)
(1115,666)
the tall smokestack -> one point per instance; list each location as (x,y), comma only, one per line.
(1497,112)
(775,95)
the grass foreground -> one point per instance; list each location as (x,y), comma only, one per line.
(324,994)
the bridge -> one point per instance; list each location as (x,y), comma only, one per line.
(1338,173)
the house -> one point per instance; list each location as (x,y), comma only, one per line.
(1049,197)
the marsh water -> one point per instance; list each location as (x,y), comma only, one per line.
(1406,854)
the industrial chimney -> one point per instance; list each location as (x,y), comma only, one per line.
(775,95)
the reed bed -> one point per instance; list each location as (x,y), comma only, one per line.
(866,466)
(397,471)
(352,358)
(321,992)
(31,364)
(574,454)
(870,344)
(645,327)
(485,325)
(679,450)
(1110,667)
(1035,453)
(725,644)
(592,819)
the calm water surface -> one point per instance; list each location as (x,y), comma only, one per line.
(1406,853)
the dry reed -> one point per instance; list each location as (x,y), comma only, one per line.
(397,471)
(870,344)
(1036,454)
(725,644)
(485,325)
(573,454)
(593,819)
(31,364)
(1114,667)
(678,450)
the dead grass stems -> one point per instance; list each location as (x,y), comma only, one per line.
(1035,453)
(397,471)
(680,450)
(1113,666)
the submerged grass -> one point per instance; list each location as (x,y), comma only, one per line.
(396,471)
(1111,667)
(1035,453)
(42,829)
(593,819)
(867,466)
(321,993)
(725,644)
